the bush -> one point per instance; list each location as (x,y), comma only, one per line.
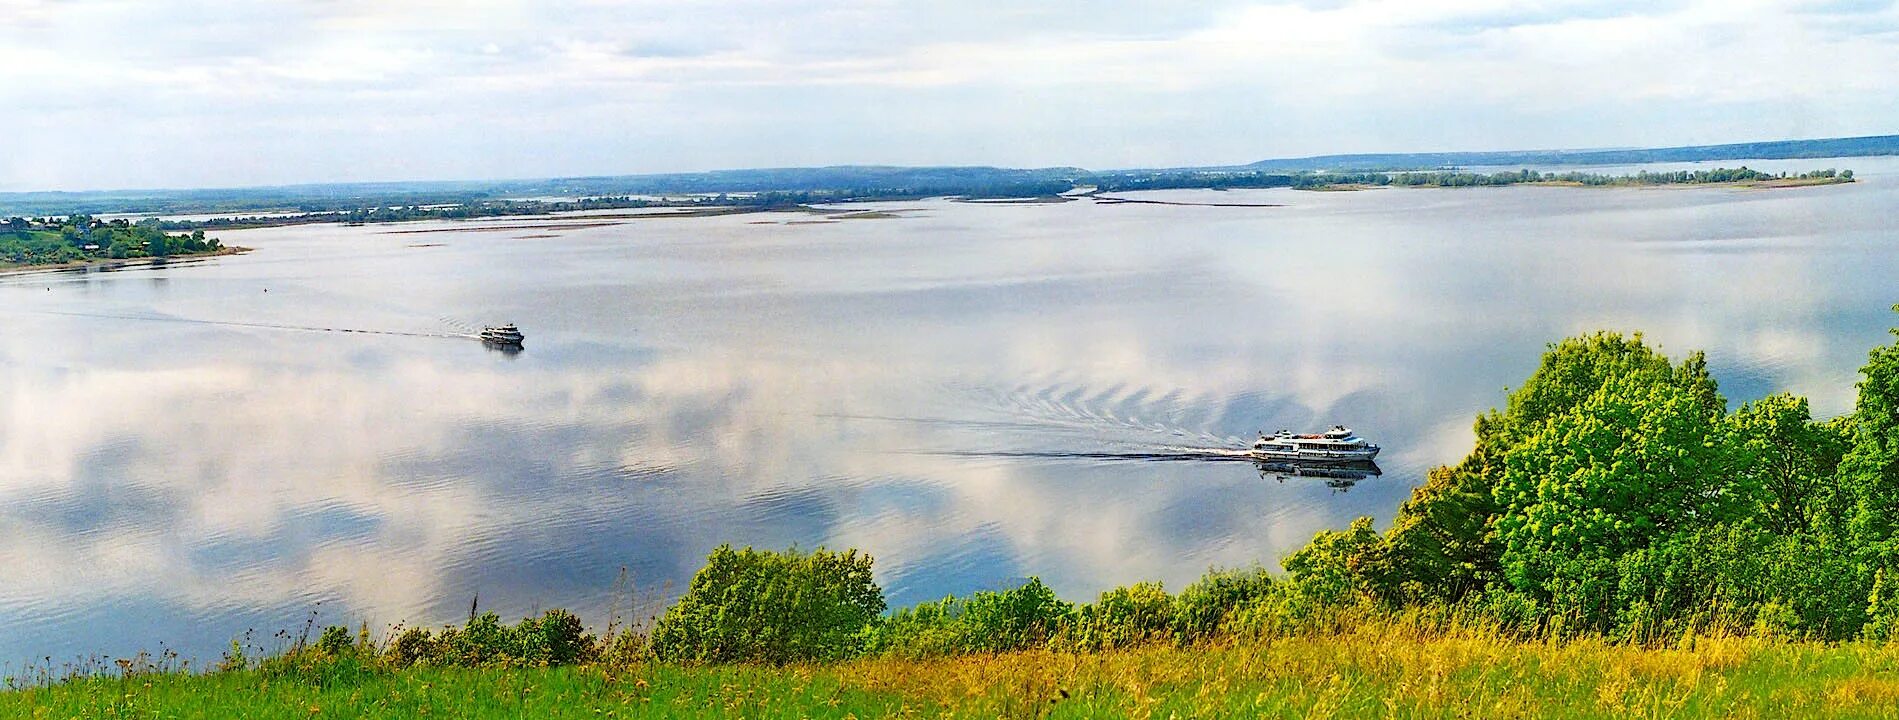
(411,647)
(1882,609)
(1285,611)
(334,641)
(1338,567)
(555,638)
(929,629)
(772,607)
(628,647)
(1206,606)
(1015,619)
(1513,610)
(1123,617)
(482,642)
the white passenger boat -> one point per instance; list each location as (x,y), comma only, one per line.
(504,335)
(1338,445)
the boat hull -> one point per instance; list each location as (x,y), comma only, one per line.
(1317,456)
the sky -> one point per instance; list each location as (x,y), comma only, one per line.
(177,93)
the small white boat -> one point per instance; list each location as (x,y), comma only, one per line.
(507,335)
(1339,445)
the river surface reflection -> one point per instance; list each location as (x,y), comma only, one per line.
(973,393)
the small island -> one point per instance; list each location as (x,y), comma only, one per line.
(81,240)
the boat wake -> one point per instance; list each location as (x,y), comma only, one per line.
(1157,455)
(266,326)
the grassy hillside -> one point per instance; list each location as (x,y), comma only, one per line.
(1372,670)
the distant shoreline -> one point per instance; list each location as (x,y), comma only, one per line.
(1357,183)
(117,263)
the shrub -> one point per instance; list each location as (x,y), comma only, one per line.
(334,641)
(1015,619)
(928,629)
(1882,609)
(411,647)
(234,658)
(628,647)
(1336,567)
(1513,610)
(555,638)
(1776,620)
(482,642)
(772,607)
(1285,610)
(1123,617)
(1206,606)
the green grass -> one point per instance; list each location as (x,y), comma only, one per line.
(592,692)
(1376,670)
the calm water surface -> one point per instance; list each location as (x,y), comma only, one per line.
(973,393)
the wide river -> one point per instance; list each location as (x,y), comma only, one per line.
(973,393)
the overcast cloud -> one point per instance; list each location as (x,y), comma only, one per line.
(145,93)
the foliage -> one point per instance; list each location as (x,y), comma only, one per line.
(411,646)
(335,640)
(79,237)
(1123,617)
(1614,493)
(774,607)
(1869,473)
(1634,462)
(555,638)
(1015,619)
(1206,607)
(1336,566)
(1736,579)
(1793,460)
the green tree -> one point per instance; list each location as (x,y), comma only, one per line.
(1637,460)
(1440,545)
(1869,474)
(1339,566)
(774,607)
(1790,457)
(1443,543)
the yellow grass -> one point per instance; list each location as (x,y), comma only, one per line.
(1364,669)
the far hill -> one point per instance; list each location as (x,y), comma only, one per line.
(1772,150)
(845,183)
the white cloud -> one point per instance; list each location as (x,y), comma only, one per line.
(196,93)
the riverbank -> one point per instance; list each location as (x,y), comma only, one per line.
(106,264)
(1372,670)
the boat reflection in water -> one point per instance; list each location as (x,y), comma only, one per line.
(1338,476)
